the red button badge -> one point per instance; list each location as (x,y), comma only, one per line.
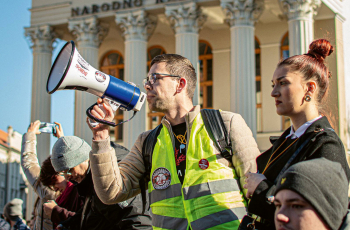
(203,164)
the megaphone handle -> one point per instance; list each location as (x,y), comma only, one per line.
(88,113)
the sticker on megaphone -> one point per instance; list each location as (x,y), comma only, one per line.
(71,71)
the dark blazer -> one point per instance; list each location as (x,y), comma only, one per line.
(325,143)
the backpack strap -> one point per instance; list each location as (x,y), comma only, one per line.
(217,131)
(147,151)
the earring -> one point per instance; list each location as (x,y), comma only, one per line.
(307,98)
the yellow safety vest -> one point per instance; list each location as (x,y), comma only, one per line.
(209,197)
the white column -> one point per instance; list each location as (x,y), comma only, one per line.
(241,15)
(136,27)
(41,38)
(300,15)
(187,19)
(89,35)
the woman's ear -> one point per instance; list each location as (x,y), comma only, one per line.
(311,87)
(182,85)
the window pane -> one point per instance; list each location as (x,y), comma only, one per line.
(209,50)
(112,72)
(286,41)
(210,69)
(285,54)
(113,58)
(201,96)
(257,64)
(105,62)
(257,46)
(210,96)
(154,52)
(121,74)
(121,60)
(201,77)
(202,48)
(120,131)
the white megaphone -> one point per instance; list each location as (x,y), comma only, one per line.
(71,71)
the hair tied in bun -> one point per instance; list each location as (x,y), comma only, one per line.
(320,49)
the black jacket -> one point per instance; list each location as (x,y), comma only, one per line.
(324,143)
(97,215)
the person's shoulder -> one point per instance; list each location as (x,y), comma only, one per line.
(228,115)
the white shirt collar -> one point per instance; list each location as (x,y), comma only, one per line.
(301,129)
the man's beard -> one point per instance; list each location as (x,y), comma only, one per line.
(160,105)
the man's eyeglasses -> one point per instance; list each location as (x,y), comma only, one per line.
(68,172)
(152,78)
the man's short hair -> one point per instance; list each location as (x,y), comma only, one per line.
(179,66)
(322,183)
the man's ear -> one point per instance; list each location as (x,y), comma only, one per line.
(181,86)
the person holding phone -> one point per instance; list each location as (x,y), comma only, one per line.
(46,182)
(299,86)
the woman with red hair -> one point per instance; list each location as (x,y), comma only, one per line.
(299,86)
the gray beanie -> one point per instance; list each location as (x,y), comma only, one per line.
(13,209)
(68,152)
(323,184)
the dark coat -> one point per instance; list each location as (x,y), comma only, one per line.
(97,215)
(325,143)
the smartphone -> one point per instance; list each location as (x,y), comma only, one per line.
(46,127)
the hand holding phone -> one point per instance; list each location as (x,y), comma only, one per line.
(34,127)
(46,127)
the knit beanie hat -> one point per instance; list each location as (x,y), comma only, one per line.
(68,152)
(13,209)
(323,184)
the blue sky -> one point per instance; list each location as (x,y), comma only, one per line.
(16,81)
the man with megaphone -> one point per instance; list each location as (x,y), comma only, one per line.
(192,184)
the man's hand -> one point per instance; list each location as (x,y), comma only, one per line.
(59,130)
(101,131)
(48,207)
(34,127)
(252,181)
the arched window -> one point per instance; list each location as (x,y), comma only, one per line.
(154,117)
(259,127)
(206,74)
(112,63)
(285,54)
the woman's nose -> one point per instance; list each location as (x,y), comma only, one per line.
(274,92)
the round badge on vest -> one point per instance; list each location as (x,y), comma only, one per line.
(203,164)
(161,178)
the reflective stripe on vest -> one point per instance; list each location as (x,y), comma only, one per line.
(208,197)
(165,222)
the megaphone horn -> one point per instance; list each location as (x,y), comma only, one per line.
(71,71)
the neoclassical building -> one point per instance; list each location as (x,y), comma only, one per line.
(234,45)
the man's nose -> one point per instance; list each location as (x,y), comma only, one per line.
(281,216)
(147,86)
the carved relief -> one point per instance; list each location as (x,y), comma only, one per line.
(40,37)
(185,18)
(300,8)
(88,30)
(136,24)
(242,12)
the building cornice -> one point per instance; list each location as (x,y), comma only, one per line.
(335,6)
(51,7)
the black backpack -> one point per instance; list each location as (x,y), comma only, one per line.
(217,131)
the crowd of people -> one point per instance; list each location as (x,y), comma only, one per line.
(179,176)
